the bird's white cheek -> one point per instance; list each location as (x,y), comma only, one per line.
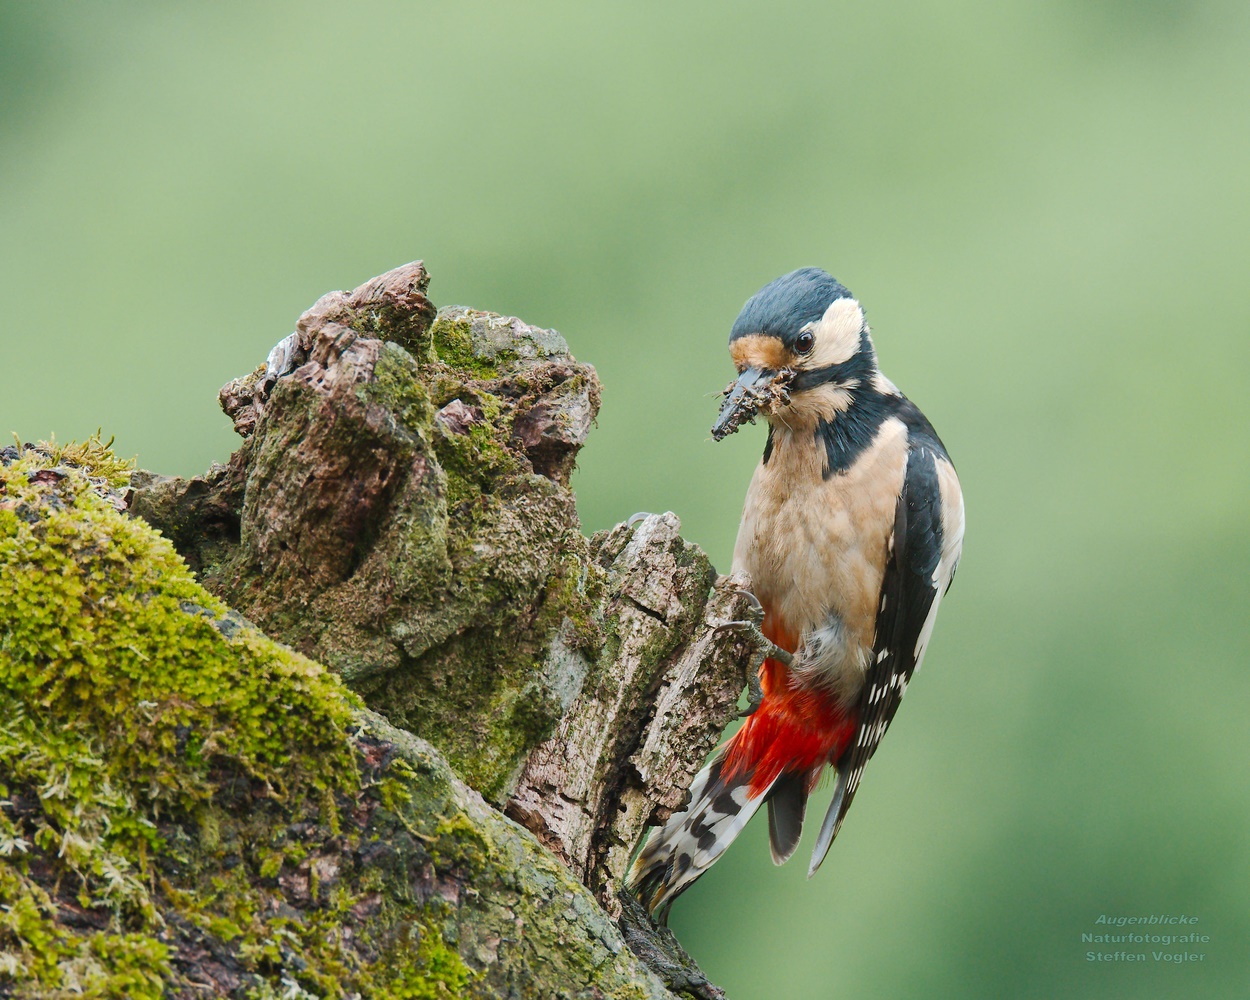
(837,334)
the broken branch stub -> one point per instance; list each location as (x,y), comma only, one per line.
(626,751)
(400,510)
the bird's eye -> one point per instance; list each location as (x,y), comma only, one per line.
(804,344)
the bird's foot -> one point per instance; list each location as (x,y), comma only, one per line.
(763,645)
(750,630)
(755,694)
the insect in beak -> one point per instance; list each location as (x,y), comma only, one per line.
(758,390)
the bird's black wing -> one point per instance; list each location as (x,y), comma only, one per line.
(910,590)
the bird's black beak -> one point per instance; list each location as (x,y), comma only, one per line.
(756,389)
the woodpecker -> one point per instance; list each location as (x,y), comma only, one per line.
(850,534)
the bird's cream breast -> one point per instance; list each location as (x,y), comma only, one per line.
(816,547)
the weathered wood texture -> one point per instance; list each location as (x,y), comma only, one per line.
(623,755)
(400,511)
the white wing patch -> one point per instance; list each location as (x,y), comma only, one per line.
(952,546)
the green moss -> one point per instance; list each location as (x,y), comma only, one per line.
(41,958)
(125,705)
(484,695)
(132,966)
(453,346)
(459,843)
(93,456)
(475,460)
(396,387)
(486,719)
(183,800)
(107,633)
(420,966)
(573,590)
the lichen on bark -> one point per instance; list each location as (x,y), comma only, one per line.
(399,511)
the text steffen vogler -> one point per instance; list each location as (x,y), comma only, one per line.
(1133,937)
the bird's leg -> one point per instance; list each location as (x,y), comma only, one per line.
(750,630)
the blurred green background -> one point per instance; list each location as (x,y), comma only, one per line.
(1045,208)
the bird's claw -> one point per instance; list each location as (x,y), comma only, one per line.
(755,694)
(755,610)
(750,630)
(763,645)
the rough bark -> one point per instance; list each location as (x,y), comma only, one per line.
(189,809)
(621,758)
(399,510)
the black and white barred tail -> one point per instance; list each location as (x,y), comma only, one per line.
(676,854)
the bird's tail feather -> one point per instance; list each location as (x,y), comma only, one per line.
(832,824)
(787,802)
(676,854)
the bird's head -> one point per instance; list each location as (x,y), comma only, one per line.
(803,353)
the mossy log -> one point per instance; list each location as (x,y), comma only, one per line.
(194,805)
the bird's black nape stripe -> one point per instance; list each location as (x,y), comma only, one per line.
(820,376)
(848,434)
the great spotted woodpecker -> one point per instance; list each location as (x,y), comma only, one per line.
(850,535)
